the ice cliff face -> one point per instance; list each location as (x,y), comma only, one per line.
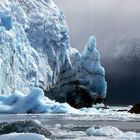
(35,50)
(33,40)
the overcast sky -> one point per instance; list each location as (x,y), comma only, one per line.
(100,18)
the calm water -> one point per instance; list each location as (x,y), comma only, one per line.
(65,126)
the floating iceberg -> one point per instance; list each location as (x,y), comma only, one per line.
(109,132)
(103,131)
(34,102)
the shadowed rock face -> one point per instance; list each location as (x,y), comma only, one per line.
(135,109)
(27,126)
(75,94)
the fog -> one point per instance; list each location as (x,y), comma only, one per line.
(116,26)
(99,18)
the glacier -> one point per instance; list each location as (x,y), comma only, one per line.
(35,52)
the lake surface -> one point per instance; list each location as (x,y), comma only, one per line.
(74,126)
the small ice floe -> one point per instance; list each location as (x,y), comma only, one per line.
(103,131)
(110,113)
(109,132)
(22,136)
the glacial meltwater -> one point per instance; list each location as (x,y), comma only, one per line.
(75,126)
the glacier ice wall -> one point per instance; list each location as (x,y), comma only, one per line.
(35,50)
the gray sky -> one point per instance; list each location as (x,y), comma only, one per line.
(108,20)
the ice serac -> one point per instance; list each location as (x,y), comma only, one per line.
(93,74)
(35,52)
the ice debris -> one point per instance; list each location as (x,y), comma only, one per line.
(34,102)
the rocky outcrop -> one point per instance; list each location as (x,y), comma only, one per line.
(27,126)
(76,94)
(135,109)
